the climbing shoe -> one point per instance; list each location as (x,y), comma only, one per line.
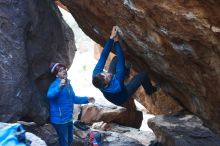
(81,125)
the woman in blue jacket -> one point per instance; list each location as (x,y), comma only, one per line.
(61,99)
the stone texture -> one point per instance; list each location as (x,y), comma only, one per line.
(35,141)
(123,116)
(144,137)
(32,35)
(177,42)
(158,103)
(116,135)
(46,132)
(182,130)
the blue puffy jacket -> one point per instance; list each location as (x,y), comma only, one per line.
(116,91)
(61,102)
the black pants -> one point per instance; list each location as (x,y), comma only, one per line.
(138,80)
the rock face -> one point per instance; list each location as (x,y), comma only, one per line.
(177,42)
(182,130)
(123,116)
(32,35)
(115,135)
(144,137)
(46,132)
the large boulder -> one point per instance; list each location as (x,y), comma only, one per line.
(177,42)
(182,129)
(33,34)
(123,116)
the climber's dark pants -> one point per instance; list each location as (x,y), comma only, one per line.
(138,80)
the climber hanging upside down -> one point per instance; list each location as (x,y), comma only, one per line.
(111,83)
